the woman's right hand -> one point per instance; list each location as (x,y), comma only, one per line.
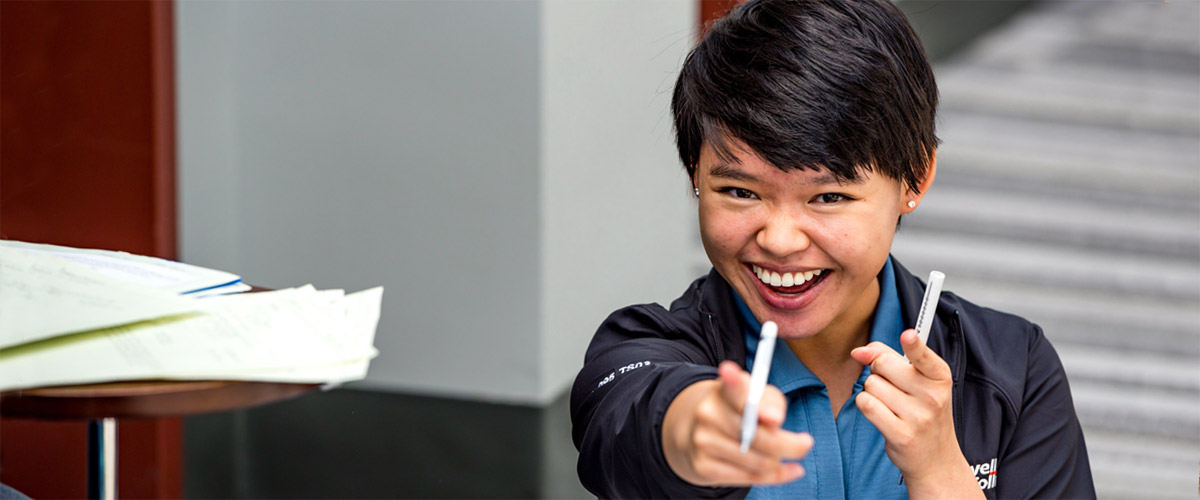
(701,434)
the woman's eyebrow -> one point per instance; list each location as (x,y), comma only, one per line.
(727,171)
(824,178)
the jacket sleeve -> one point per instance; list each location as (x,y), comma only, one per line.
(634,368)
(1046,457)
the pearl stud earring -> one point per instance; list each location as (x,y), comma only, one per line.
(912,204)
(697,192)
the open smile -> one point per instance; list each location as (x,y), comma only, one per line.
(788,289)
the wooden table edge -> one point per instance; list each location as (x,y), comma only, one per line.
(144,399)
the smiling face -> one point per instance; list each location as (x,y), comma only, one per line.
(802,249)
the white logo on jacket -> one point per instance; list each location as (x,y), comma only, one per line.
(985,473)
(623,369)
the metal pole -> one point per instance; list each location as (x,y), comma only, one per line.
(102,459)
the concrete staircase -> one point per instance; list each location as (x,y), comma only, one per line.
(1068,191)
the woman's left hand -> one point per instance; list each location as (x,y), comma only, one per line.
(910,404)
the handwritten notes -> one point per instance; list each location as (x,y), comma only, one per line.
(62,322)
(43,296)
(141,270)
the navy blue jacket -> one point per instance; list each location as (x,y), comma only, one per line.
(1013,412)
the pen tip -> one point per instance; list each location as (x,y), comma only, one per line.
(769,329)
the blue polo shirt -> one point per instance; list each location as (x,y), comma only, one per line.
(848,458)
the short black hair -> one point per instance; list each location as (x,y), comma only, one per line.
(842,85)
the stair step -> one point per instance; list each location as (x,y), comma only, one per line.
(1166,344)
(1133,370)
(1144,412)
(1146,169)
(1003,260)
(1161,34)
(1061,220)
(1106,96)
(1092,318)
(1129,466)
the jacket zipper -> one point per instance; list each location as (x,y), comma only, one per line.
(956,398)
(712,337)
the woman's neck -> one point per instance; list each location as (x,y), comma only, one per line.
(828,352)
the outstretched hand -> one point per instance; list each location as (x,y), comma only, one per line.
(702,441)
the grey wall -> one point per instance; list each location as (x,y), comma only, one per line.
(366,143)
(616,214)
(504,169)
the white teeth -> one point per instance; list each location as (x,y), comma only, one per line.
(763,275)
(786,279)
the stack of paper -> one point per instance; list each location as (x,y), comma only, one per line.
(67,319)
(142,270)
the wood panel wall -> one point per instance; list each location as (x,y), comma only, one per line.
(87,158)
(711,10)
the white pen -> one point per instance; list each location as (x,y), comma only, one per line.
(758,381)
(933,290)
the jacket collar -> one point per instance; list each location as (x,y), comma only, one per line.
(911,291)
(945,335)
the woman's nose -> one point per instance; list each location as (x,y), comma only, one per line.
(782,235)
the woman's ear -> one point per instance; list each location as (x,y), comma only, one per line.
(912,198)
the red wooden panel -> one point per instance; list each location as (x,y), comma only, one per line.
(711,10)
(87,132)
(48,458)
(87,158)
(44,459)
(150,458)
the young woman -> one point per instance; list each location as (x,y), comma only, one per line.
(807,129)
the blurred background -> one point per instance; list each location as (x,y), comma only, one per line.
(506,170)
(1068,191)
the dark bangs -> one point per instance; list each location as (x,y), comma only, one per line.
(835,84)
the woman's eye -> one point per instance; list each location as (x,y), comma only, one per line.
(740,193)
(831,197)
